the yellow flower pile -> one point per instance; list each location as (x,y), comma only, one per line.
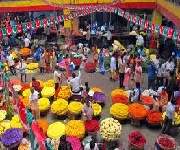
(15,123)
(48,92)
(32,66)
(176,118)
(26,93)
(97,109)
(110,129)
(4,125)
(118,92)
(26,103)
(49,83)
(41,83)
(56,130)
(75,107)
(59,107)
(119,111)
(44,104)
(95,89)
(3,114)
(65,92)
(75,128)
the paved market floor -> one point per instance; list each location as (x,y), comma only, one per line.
(102,81)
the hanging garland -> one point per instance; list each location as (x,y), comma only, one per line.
(167,32)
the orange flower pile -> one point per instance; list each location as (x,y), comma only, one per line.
(120,99)
(16,81)
(154,117)
(137,111)
(43,124)
(147,100)
(26,103)
(25,86)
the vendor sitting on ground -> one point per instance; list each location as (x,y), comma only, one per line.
(36,84)
(75,83)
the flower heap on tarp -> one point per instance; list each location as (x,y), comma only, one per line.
(137,111)
(176,118)
(3,114)
(147,100)
(26,93)
(119,111)
(110,129)
(25,101)
(56,130)
(49,83)
(154,117)
(75,128)
(99,97)
(75,143)
(15,123)
(59,107)
(43,124)
(44,104)
(97,109)
(4,125)
(92,126)
(137,139)
(75,107)
(120,99)
(48,92)
(11,137)
(65,92)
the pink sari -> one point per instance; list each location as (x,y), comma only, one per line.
(138,74)
(127,77)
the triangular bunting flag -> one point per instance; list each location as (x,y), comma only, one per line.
(126,16)
(45,22)
(178,36)
(118,12)
(4,33)
(48,22)
(157,29)
(14,30)
(153,27)
(1,35)
(28,24)
(51,20)
(161,30)
(33,25)
(137,20)
(140,22)
(9,30)
(121,13)
(24,27)
(129,19)
(19,28)
(175,35)
(170,33)
(37,22)
(134,20)
(41,23)
(150,25)
(165,31)
(146,24)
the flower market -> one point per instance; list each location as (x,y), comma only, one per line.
(89,75)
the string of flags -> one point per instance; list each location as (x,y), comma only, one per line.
(165,31)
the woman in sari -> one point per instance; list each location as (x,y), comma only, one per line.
(127,76)
(101,62)
(138,72)
(87,110)
(67,66)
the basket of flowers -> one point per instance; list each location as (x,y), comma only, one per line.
(90,67)
(154,117)
(92,127)
(44,105)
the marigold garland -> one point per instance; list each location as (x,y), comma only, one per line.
(119,111)
(147,100)
(120,99)
(75,107)
(56,130)
(44,104)
(75,128)
(95,89)
(43,124)
(59,107)
(137,111)
(154,117)
(97,109)
(118,91)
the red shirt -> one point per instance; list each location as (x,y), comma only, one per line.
(37,86)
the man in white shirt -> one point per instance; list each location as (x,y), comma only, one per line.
(170,111)
(75,82)
(57,77)
(33,100)
(27,42)
(10,61)
(170,65)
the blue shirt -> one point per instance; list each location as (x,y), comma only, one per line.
(151,71)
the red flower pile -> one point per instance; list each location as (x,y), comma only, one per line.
(92,126)
(154,117)
(77,61)
(147,100)
(120,99)
(90,65)
(25,86)
(137,139)
(166,142)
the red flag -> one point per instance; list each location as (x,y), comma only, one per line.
(59,18)
(37,22)
(19,28)
(140,22)
(52,20)
(170,33)
(1,35)
(161,30)
(146,24)
(178,36)
(129,19)
(153,27)
(28,24)
(9,30)
(134,20)
(45,22)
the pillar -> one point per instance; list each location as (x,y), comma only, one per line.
(156,17)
